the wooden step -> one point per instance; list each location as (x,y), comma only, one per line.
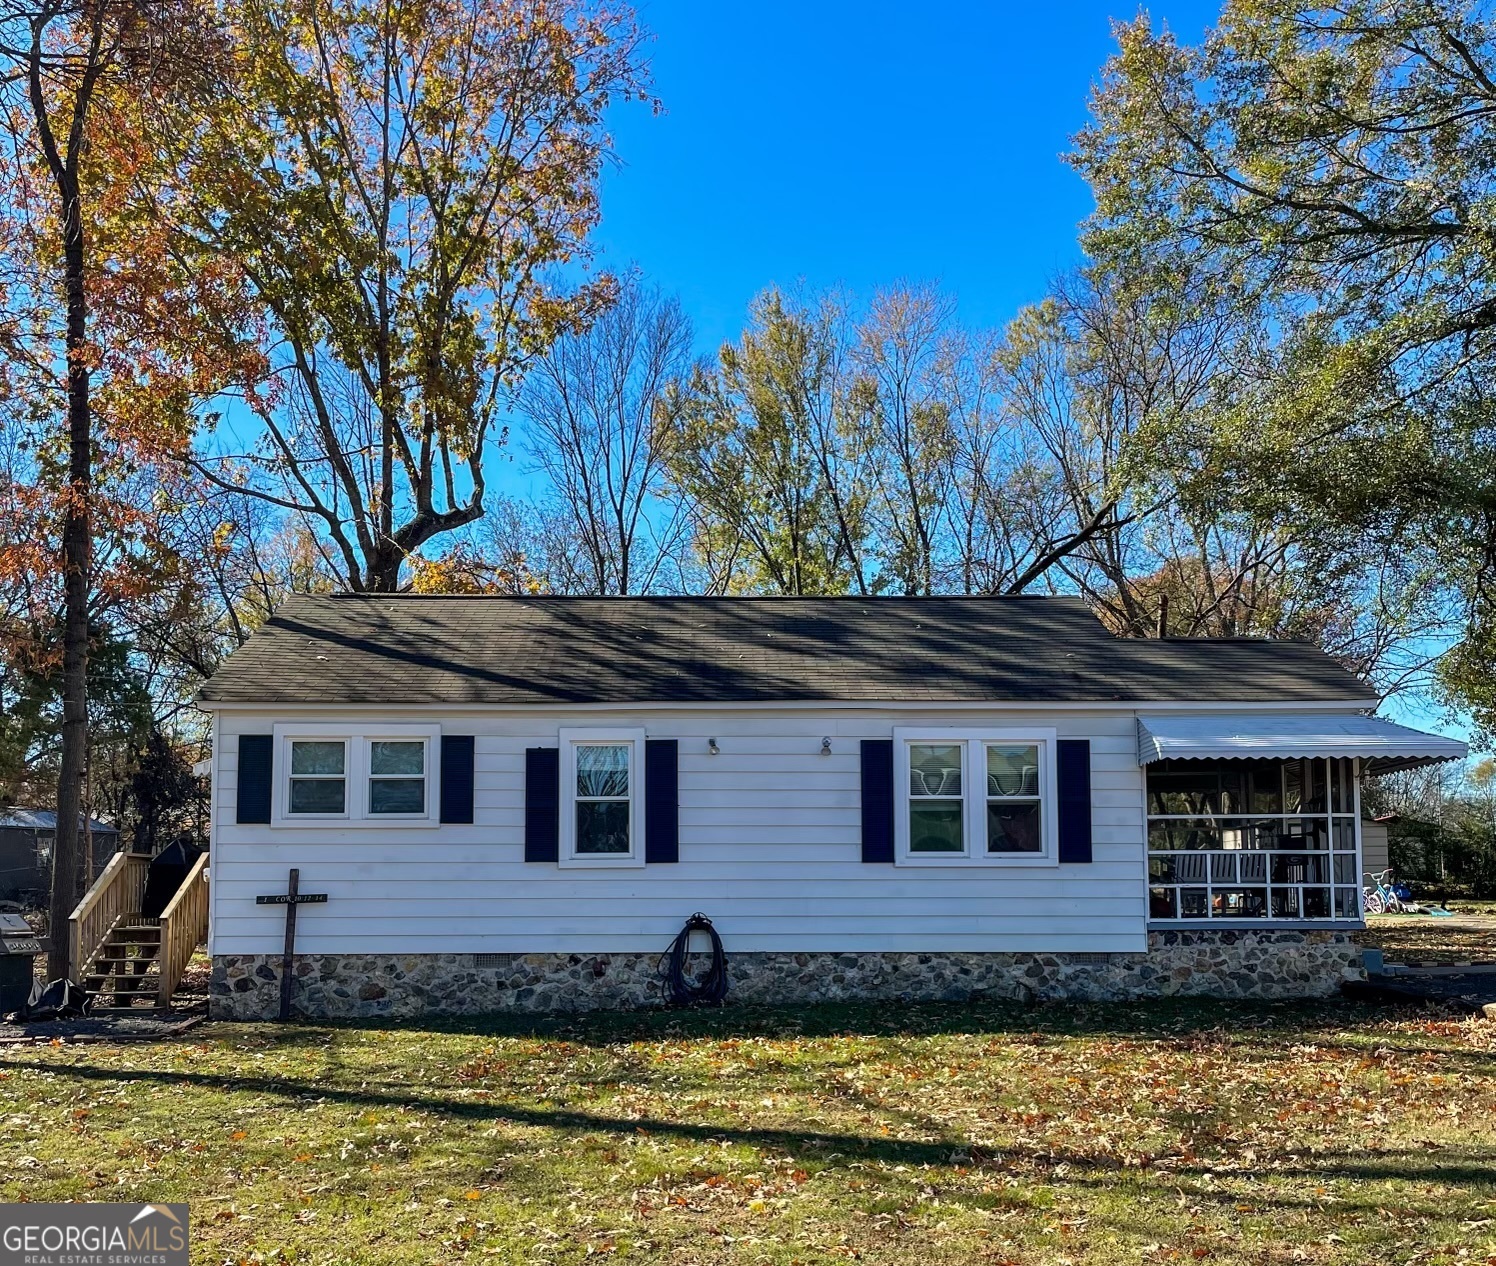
(120,966)
(124,997)
(99,981)
(121,953)
(153,1009)
(105,978)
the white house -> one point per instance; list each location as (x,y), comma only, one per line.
(516,802)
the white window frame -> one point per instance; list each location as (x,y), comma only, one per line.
(974,795)
(346,779)
(567,855)
(356,741)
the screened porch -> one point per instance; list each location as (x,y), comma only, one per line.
(1257,819)
(1254,839)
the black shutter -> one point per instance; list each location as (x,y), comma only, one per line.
(255,774)
(1073,766)
(877,800)
(661,800)
(457,778)
(542,804)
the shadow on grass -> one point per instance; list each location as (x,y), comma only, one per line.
(1469,1168)
(1163,1019)
(810,1143)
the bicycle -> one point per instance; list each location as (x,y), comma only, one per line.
(1382,896)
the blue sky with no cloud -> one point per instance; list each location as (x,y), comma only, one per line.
(858,145)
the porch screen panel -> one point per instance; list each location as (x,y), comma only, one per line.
(1253,839)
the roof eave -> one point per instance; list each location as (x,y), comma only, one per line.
(1366,704)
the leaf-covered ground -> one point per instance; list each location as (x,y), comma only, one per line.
(1406,938)
(1321,1133)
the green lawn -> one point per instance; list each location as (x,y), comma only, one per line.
(1322,1133)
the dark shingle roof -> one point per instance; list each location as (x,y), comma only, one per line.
(415,649)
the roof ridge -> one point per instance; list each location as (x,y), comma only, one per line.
(694,597)
(1230,637)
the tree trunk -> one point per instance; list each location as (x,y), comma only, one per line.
(382,570)
(76,551)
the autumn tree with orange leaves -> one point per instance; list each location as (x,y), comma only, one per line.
(74,509)
(394,186)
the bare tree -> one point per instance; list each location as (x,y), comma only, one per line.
(838,450)
(1003,504)
(1086,372)
(590,406)
(971,495)
(1091,378)
(903,351)
(238,558)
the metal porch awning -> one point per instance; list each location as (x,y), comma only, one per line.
(1381,745)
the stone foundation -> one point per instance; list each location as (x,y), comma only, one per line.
(1209,963)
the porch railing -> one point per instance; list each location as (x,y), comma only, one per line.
(115,896)
(184,926)
(1295,866)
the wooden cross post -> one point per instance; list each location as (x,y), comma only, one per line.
(291,898)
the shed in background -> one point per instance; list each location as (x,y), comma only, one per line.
(1374,855)
(26,838)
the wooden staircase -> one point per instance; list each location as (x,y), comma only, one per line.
(126,967)
(121,955)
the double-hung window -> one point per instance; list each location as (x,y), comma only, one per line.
(373,776)
(397,776)
(974,797)
(1015,809)
(937,802)
(319,777)
(602,806)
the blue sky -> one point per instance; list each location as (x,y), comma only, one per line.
(860,144)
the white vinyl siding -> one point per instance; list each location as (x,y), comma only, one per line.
(770,848)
